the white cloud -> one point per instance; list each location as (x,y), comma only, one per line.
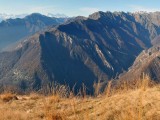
(41,9)
(29,9)
(88,10)
(136,8)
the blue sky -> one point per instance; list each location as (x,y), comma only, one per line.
(76,7)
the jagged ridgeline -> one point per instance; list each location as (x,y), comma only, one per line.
(80,51)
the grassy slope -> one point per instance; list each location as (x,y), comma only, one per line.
(137,104)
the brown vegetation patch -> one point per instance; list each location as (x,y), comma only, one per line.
(8,97)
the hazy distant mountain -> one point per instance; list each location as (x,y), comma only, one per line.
(13,30)
(84,50)
(4,16)
(11,16)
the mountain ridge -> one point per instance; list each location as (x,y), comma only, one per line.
(83,51)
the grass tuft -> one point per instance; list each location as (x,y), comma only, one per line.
(6,97)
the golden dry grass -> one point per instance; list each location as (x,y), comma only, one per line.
(140,103)
(6,97)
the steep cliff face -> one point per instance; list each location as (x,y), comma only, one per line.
(84,50)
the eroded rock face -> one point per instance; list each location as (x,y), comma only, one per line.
(84,50)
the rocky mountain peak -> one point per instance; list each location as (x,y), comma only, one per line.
(97,15)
